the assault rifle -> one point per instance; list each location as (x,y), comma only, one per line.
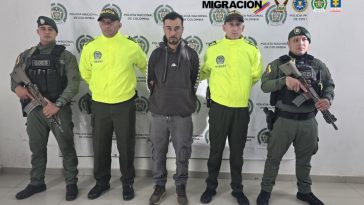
(20,77)
(289,69)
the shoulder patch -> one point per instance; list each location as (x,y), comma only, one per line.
(268,69)
(132,39)
(17,60)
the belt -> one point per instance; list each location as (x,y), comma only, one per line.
(295,116)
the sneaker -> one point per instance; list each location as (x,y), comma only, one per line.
(310,198)
(158,195)
(206,197)
(71,192)
(263,198)
(128,192)
(181,194)
(240,197)
(97,191)
(30,190)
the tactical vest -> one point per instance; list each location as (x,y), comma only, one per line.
(46,72)
(311,73)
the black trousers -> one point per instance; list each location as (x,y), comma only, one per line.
(232,123)
(107,118)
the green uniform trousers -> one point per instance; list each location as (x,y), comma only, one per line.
(303,134)
(232,123)
(38,128)
(107,118)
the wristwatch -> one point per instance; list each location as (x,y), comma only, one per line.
(59,104)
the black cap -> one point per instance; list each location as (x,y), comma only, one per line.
(109,13)
(43,20)
(299,31)
(234,15)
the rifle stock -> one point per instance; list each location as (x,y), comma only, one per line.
(20,77)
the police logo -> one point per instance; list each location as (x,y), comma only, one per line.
(207,134)
(81,41)
(141,105)
(217,16)
(97,55)
(251,40)
(319,5)
(58,13)
(297,31)
(198,106)
(299,5)
(160,12)
(281,7)
(250,106)
(274,17)
(195,43)
(114,7)
(263,136)
(220,59)
(143,43)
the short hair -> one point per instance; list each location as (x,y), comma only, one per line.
(172,16)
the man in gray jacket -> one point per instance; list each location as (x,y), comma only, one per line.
(172,74)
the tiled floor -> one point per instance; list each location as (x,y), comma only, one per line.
(283,194)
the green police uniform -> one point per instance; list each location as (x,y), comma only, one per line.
(38,126)
(295,125)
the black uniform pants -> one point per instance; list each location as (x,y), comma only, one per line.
(232,123)
(107,118)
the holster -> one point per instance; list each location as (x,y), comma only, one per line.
(271,117)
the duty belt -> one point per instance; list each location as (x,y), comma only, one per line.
(295,116)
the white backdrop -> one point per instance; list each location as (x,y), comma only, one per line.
(333,41)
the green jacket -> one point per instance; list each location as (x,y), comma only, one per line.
(69,66)
(273,79)
(232,67)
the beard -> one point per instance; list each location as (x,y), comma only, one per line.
(173,40)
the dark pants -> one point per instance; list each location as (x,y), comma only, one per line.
(233,124)
(38,128)
(107,118)
(303,135)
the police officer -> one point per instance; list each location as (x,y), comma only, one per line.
(172,74)
(107,66)
(54,70)
(294,124)
(233,65)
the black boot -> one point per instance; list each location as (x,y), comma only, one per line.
(263,198)
(128,192)
(240,197)
(97,190)
(310,198)
(30,190)
(71,192)
(206,197)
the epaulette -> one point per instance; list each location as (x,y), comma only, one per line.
(89,41)
(213,43)
(132,39)
(251,42)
